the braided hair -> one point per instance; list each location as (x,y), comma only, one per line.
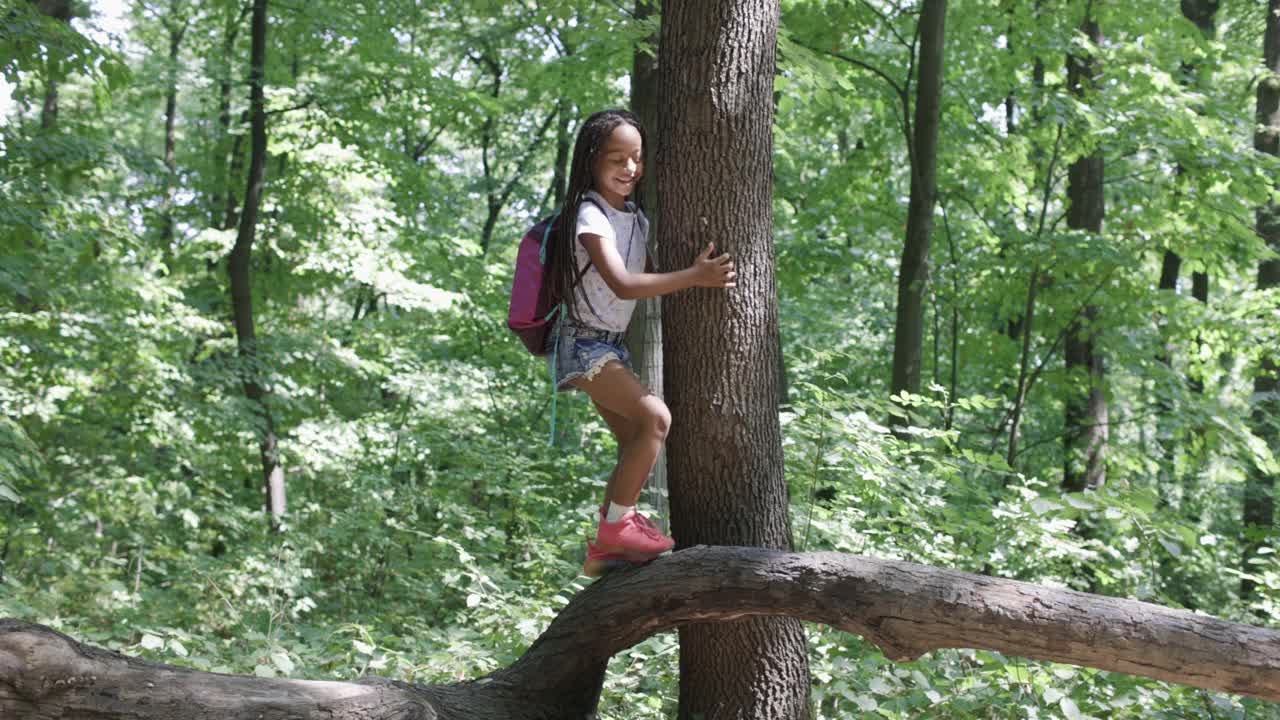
(564,274)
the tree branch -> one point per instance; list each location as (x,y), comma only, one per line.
(905,609)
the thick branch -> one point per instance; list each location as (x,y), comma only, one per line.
(905,609)
(909,610)
(45,674)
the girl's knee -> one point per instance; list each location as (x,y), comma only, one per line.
(657,417)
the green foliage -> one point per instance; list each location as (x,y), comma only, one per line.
(431,534)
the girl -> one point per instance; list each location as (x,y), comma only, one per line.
(601,269)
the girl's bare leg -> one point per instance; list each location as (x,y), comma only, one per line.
(617,390)
(622,433)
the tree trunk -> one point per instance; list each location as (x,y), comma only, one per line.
(49,110)
(224,211)
(1086,411)
(238,267)
(913,273)
(1025,324)
(905,609)
(1202,13)
(1260,485)
(564,142)
(176,31)
(487,141)
(59,10)
(720,350)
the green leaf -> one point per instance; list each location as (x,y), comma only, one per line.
(1172,547)
(1079,502)
(1042,505)
(282,661)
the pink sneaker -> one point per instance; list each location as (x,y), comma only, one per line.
(600,562)
(633,533)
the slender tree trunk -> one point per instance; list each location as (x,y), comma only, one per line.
(720,347)
(1169,269)
(231,208)
(487,141)
(224,208)
(1260,486)
(49,110)
(1202,13)
(238,267)
(177,29)
(1010,100)
(26,299)
(564,143)
(913,273)
(1024,357)
(1200,292)
(1026,322)
(1086,409)
(59,10)
(1013,327)
(644,336)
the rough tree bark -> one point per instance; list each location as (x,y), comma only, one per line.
(913,272)
(1085,441)
(905,609)
(720,349)
(1260,486)
(238,268)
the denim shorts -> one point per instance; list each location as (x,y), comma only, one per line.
(583,352)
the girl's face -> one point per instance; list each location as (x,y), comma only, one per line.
(619,165)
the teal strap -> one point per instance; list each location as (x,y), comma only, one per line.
(546,235)
(555,358)
(555,344)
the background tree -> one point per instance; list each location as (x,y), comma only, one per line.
(238,268)
(1087,424)
(1260,487)
(922,149)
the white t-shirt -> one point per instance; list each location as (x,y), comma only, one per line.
(628,230)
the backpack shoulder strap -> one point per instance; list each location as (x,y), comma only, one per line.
(577,277)
(546,235)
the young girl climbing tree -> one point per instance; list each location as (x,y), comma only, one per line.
(600,269)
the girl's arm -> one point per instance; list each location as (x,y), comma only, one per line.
(706,271)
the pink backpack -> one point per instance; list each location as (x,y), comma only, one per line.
(532,308)
(531,315)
